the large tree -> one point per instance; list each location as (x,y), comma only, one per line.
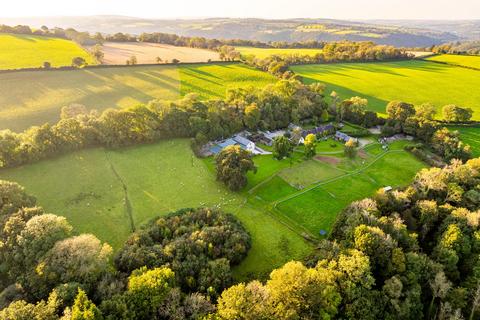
(232,165)
(282,147)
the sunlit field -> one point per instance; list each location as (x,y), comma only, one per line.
(265,52)
(29,51)
(460,60)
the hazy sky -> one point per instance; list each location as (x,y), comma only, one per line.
(338,9)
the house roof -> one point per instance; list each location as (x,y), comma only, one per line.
(241,140)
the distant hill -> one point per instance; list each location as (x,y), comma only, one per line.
(398,33)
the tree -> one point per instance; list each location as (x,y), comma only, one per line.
(47,65)
(83,259)
(454,113)
(12,198)
(310,145)
(282,147)
(426,111)
(132,61)
(97,52)
(350,148)
(158,60)
(78,62)
(146,291)
(400,111)
(324,116)
(84,309)
(252,116)
(232,165)
(175,61)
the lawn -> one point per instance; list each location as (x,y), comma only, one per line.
(318,207)
(471,136)
(87,188)
(411,81)
(460,60)
(34,98)
(265,52)
(29,51)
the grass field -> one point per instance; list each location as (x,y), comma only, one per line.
(318,207)
(460,60)
(119,52)
(411,81)
(28,51)
(34,98)
(471,136)
(265,52)
(87,188)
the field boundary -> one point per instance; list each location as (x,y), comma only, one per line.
(106,66)
(449,63)
(127,204)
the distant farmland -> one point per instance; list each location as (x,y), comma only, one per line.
(34,98)
(28,51)
(411,81)
(119,52)
(265,52)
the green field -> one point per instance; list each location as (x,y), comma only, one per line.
(265,52)
(471,136)
(460,60)
(87,188)
(317,207)
(34,98)
(411,81)
(29,51)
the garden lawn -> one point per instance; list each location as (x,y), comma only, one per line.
(317,208)
(30,51)
(470,136)
(412,81)
(87,188)
(265,52)
(36,97)
(460,60)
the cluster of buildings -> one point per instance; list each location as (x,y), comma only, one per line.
(249,141)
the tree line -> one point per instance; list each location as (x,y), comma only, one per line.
(345,51)
(269,108)
(466,47)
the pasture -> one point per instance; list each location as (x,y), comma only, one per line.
(316,207)
(411,81)
(87,187)
(119,52)
(265,52)
(30,51)
(458,60)
(36,97)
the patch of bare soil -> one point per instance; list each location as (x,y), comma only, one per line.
(120,52)
(362,154)
(329,160)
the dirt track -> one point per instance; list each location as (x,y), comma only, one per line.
(119,52)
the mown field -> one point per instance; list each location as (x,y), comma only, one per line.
(34,98)
(471,136)
(29,51)
(460,60)
(411,81)
(265,52)
(119,52)
(87,188)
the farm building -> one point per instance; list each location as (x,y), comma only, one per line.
(326,129)
(239,140)
(343,137)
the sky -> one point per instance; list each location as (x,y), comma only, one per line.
(271,9)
